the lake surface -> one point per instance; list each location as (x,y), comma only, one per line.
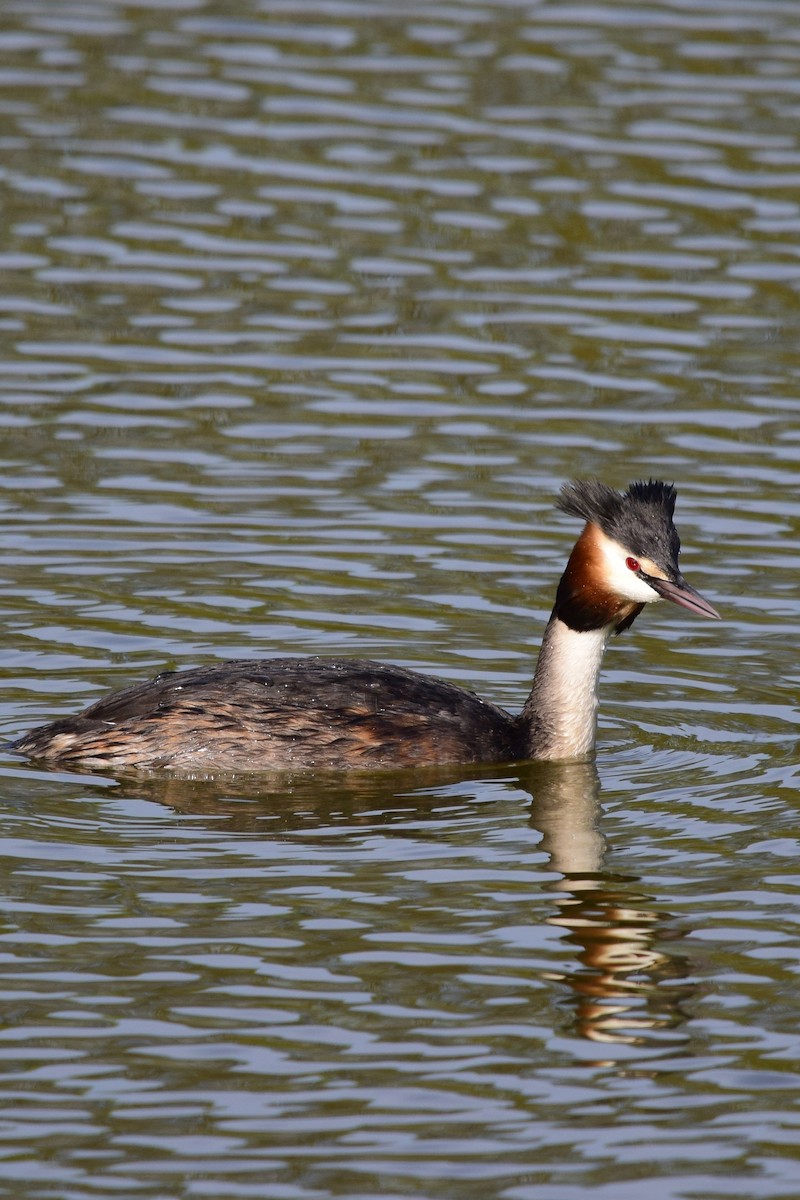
(307,311)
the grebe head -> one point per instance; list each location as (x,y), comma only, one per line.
(626,557)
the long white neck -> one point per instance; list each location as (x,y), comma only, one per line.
(561,711)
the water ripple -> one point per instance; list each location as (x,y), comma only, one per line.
(310,308)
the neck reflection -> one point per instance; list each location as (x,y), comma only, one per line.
(625,987)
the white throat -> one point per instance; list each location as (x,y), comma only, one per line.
(562,707)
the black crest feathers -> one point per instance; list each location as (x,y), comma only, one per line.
(639,519)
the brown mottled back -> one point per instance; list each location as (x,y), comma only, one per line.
(283,713)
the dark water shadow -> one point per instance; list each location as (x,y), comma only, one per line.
(628,984)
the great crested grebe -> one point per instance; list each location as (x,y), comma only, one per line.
(294,713)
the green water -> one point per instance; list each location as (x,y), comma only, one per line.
(307,310)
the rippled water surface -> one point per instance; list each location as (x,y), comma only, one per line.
(307,310)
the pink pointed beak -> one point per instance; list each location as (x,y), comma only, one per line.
(681,592)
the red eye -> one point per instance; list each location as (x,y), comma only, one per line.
(632,564)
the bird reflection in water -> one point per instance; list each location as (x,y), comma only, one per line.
(627,986)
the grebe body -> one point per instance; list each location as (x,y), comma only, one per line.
(283,713)
(295,713)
